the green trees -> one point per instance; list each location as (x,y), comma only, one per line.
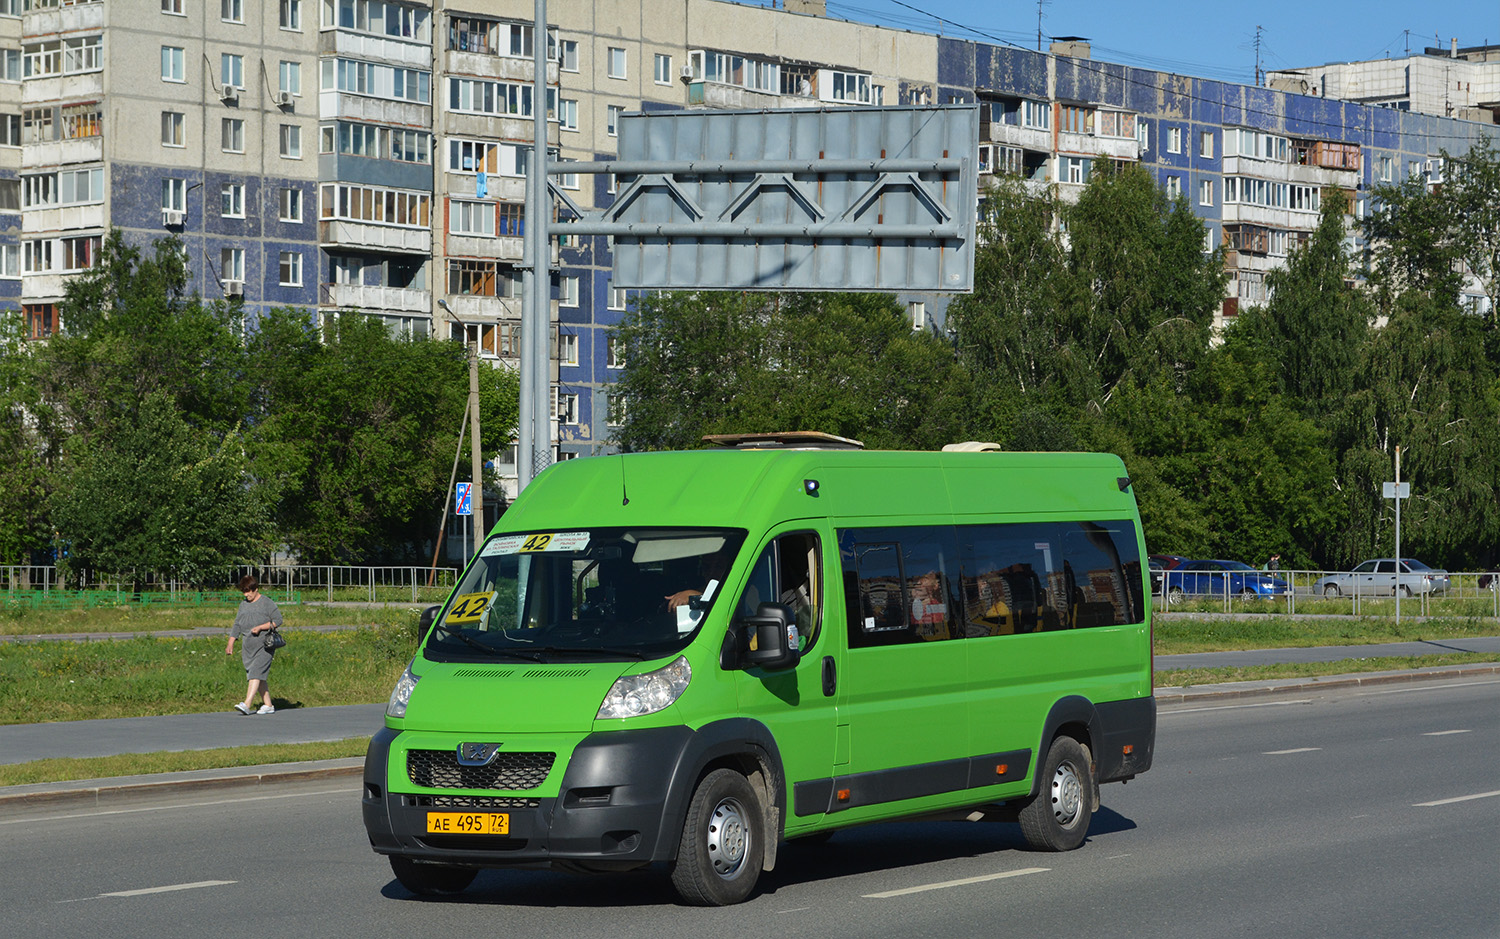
(156,434)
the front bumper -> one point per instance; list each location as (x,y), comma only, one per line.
(613,809)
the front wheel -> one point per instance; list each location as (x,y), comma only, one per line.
(1057,819)
(720,856)
(1175,595)
(1405,591)
(1330,590)
(429,880)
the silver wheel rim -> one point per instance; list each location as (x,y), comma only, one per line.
(1067,795)
(728,838)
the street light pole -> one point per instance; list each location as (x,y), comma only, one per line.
(475,450)
(535,417)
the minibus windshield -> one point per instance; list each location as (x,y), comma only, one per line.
(581,594)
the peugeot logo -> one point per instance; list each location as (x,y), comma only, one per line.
(477,754)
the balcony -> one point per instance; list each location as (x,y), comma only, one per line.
(353,45)
(60,152)
(384,237)
(65,19)
(62,87)
(66,218)
(387,299)
(499,67)
(44,286)
(469,246)
(1013,135)
(349,107)
(1119,148)
(465,307)
(703,94)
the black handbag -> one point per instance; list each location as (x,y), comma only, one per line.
(273,640)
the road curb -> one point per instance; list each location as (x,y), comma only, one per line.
(122,792)
(1293,685)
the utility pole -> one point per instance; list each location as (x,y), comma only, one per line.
(1258,31)
(535,431)
(476,451)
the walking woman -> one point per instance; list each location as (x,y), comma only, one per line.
(257,615)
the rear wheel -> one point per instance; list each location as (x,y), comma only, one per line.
(1175,594)
(1405,590)
(1330,590)
(720,856)
(430,880)
(1057,819)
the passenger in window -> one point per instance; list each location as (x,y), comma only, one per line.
(929,611)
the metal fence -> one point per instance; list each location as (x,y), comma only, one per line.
(1306,592)
(42,584)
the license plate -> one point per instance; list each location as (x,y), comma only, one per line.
(468,823)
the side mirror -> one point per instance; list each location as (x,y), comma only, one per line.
(774,633)
(424,625)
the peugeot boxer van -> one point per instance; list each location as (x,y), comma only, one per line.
(689,658)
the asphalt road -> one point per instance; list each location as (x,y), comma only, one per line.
(1351,812)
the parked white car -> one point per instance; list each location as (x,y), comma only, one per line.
(1378,578)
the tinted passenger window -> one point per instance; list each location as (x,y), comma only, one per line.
(898,584)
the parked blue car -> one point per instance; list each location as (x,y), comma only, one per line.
(1220,578)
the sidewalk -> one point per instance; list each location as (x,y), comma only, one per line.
(21,743)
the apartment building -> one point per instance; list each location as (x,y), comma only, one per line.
(412,207)
(1448,82)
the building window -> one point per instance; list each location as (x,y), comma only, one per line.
(916,312)
(1206,144)
(232,135)
(289,208)
(471,218)
(358,77)
(476,278)
(663,69)
(612,119)
(172,68)
(232,200)
(1037,114)
(568,55)
(10,261)
(564,407)
(617,298)
(232,70)
(291,269)
(376,205)
(83,55)
(1075,169)
(616,62)
(10,65)
(172,7)
(1174,140)
(1174,186)
(290,77)
(512,220)
(171,129)
(615,414)
(174,194)
(291,141)
(232,264)
(10,130)
(232,11)
(291,14)
(567,114)
(614,352)
(1142,135)
(1386,169)
(484,97)
(396,20)
(567,349)
(1206,192)
(567,291)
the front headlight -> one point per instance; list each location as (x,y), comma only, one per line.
(401,694)
(635,695)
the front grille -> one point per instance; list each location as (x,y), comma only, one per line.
(440,769)
(473,802)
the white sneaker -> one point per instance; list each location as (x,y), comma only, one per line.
(265,709)
(242,708)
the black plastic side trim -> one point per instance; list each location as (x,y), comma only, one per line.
(1131,723)
(816,796)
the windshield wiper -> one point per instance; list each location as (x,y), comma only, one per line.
(487,648)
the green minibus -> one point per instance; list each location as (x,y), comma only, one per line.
(690,658)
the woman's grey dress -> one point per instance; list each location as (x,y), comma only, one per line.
(253,651)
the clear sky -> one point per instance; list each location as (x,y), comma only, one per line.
(1207,38)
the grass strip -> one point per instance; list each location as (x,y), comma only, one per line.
(1183,677)
(1207,633)
(132,618)
(175,761)
(144,676)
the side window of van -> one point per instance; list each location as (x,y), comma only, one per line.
(898,584)
(789,572)
(1043,576)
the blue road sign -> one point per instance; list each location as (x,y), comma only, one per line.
(465,499)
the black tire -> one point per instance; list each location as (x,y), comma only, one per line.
(431,880)
(1057,818)
(720,856)
(1331,590)
(1405,591)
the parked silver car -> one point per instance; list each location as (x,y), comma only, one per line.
(1378,578)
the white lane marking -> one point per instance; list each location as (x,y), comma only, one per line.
(1293,750)
(955,883)
(174,805)
(800,909)
(1443,733)
(1481,795)
(1236,707)
(1435,686)
(168,889)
